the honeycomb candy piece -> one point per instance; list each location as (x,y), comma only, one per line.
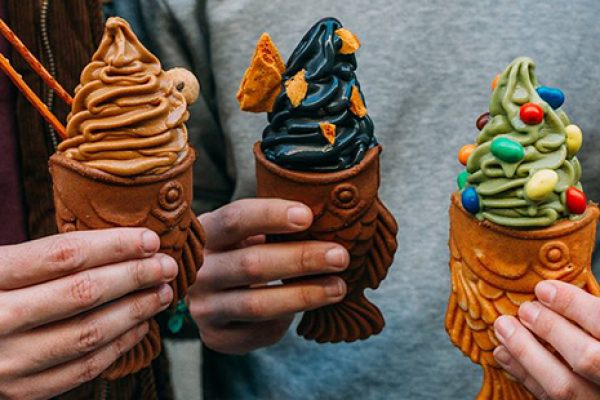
(262,80)
(296,88)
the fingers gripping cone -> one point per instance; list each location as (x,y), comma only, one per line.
(346,210)
(126,162)
(90,199)
(494,269)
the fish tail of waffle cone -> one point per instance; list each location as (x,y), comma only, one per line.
(494,269)
(86,198)
(355,318)
(498,385)
(346,210)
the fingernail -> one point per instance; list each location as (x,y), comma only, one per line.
(142,329)
(501,355)
(169,267)
(545,292)
(150,242)
(298,216)
(504,328)
(336,257)
(334,287)
(165,294)
(528,312)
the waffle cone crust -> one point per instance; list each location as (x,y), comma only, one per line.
(494,269)
(348,211)
(87,198)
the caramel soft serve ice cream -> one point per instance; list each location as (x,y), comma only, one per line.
(128,116)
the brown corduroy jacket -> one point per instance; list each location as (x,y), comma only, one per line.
(63,35)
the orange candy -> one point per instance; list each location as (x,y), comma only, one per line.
(495,82)
(465,152)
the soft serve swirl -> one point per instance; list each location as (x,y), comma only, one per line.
(127,118)
(500,184)
(293,138)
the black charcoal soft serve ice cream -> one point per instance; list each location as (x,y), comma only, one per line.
(319,121)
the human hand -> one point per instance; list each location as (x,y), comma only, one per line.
(568,319)
(234,308)
(73,303)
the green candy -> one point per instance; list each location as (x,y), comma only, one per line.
(507,150)
(462,179)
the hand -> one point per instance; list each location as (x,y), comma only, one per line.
(568,319)
(236,311)
(72,304)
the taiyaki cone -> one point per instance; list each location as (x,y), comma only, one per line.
(346,210)
(86,198)
(494,269)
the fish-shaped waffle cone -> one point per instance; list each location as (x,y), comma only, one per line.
(348,211)
(494,269)
(87,198)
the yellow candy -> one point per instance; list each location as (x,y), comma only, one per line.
(574,139)
(541,184)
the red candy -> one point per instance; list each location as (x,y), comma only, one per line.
(531,114)
(576,200)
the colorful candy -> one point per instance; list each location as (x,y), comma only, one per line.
(495,82)
(461,179)
(531,114)
(541,184)
(553,96)
(576,200)
(507,150)
(574,139)
(482,120)
(470,200)
(465,152)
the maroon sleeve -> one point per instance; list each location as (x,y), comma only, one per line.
(12,227)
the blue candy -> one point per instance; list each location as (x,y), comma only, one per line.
(470,200)
(553,96)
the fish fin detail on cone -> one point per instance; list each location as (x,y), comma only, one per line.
(370,239)
(473,307)
(371,242)
(192,258)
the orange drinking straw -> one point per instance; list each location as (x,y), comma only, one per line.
(34,63)
(32,97)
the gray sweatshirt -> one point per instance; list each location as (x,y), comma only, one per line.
(425,69)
